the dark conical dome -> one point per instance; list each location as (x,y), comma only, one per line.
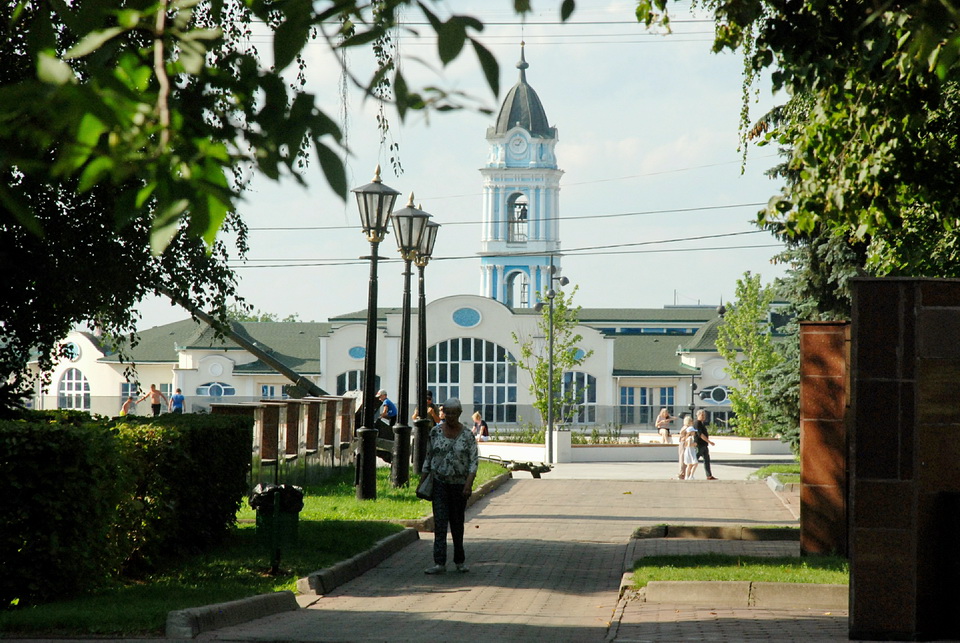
(522,107)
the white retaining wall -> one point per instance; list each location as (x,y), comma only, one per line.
(649,452)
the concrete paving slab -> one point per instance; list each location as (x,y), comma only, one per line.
(546,558)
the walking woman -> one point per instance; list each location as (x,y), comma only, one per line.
(452,456)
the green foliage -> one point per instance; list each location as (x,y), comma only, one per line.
(62,483)
(765,472)
(333,527)
(191,476)
(336,497)
(128,133)
(744,340)
(242,313)
(523,432)
(871,154)
(230,571)
(833,570)
(567,355)
(87,499)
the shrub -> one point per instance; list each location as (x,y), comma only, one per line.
(190,478)
(85,499)
(61,486)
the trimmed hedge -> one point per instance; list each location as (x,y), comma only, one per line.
(84,500)
(190,478)
(61,487)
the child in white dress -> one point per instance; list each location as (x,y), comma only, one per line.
(688,437)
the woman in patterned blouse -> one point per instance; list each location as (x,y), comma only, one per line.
(453,457)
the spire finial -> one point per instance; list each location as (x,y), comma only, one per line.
(522,65)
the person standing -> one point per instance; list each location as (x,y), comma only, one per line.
(688,441)
(703,442)
(453,458)
(128,407)
(155,396)
(386,415)
(432,413)
(176,402)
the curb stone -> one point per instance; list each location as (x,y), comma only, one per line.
(735,532)
(745,594)
(326,580)
(188,623)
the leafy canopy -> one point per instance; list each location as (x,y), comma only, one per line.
(567,355)
(129,130)
(745,341)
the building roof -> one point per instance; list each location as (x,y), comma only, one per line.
(692,314)
(294,344)
(646,355)
(705,338)
(522,108)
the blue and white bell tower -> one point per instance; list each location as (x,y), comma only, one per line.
(521,200)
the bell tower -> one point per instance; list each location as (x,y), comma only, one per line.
(521,199)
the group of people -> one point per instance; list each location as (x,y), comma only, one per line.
(694,442)
(175,402)
(387,416)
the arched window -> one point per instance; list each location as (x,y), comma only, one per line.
(353,381)
(580,398)
(215,389)
(74,391)
(493,376)
(519,219)
(518,290)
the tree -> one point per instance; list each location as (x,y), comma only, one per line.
(567,355)
(127,134)
(745,341)
(873,156)
(249,314)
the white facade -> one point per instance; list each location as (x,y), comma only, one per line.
(641,360)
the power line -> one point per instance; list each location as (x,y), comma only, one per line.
(583,251)
(574,218)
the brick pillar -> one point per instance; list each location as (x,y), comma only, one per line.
(824,395)
(905,459)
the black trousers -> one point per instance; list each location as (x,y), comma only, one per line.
(704,452)
(449,506)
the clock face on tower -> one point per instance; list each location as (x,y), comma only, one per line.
(517,145)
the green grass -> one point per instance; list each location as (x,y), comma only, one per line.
(764,472)
(333,526)
(714,567)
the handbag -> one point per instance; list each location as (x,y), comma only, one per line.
(425,488)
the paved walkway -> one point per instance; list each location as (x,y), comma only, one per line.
(546,559)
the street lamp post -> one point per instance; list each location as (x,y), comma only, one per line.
(375,201)
(423,423)
(409,224)
(550,294)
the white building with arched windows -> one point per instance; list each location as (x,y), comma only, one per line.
(642,359)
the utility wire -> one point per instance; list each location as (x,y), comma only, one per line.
(583,251)
(575,218)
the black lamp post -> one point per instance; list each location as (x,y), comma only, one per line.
(423,422)
(551,295)
(409,224)
(375,201)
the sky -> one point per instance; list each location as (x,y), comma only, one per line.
(655,204)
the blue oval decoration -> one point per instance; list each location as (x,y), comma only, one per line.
(579,354)
(466,317)
(357,352)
